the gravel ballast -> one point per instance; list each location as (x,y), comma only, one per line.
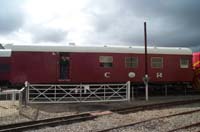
(115,119)
(42,111)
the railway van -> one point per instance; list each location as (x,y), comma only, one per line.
(61,64)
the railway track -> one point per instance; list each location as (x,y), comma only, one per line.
(154,106)
(156,118)
(18,127)
(186,127)
(87,116)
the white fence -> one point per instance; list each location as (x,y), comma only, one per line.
(38,93)
(10,102)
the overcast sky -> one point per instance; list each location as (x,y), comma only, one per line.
(114,22)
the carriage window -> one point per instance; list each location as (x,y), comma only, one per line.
(184,63)
(156,62)
(106,61)
(131,62)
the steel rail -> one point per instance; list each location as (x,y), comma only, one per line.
(46,122)
(148,120)
(186,127)
(154,106)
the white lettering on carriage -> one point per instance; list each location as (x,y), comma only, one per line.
(159,74)
(107,74)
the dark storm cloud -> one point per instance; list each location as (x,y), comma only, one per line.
(11,16)
(44,34)
(169,23)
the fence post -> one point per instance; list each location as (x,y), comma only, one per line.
(13,97)
(20,100)
(128,90)
(80,90)
(26,98)
(54,93)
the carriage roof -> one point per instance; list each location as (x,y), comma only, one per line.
(97,49)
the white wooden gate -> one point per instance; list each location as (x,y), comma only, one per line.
(10,102)
(46,93)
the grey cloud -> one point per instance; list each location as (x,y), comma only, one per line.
(11,16)
(44,34)
(169,23)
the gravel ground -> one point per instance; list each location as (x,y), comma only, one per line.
(113,120)
(28,114)
(7,108)
(164,125)
(43,111)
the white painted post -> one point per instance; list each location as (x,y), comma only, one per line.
(128,90)
(20,101)
(26,93)
(21,98)
(80,92)
(13,97)
(146,88)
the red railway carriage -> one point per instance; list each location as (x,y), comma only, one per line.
(42,64)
